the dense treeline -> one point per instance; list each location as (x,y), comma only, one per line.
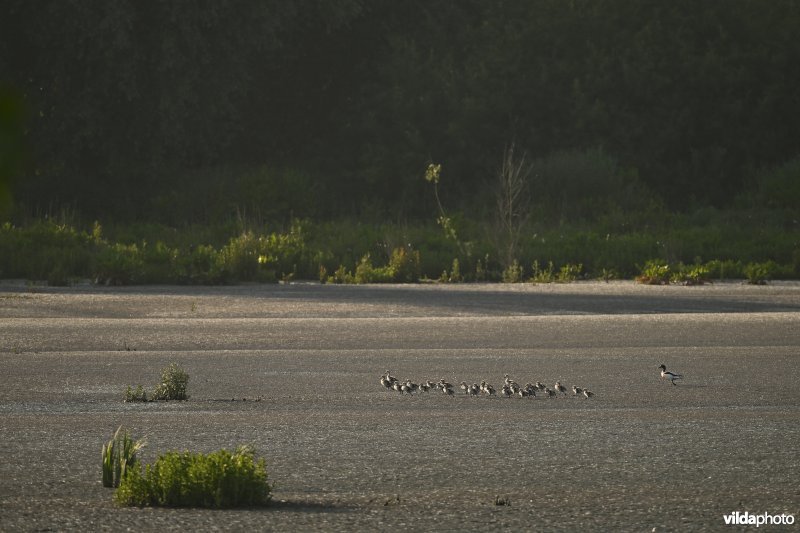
(186,110)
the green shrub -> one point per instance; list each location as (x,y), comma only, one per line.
(542,275)
(120,458)
(655,272)
(569,272)
(513,273)
(691,275)
(341,275)
(759,273)
(119,264)
(454,276)
(173,384)
(404,265)
(366,273)
(135,395)
(218,480)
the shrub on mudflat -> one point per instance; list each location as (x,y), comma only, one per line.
(218,480)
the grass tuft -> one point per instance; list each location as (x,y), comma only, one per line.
(120,458)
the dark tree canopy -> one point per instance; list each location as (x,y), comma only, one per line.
(330,108)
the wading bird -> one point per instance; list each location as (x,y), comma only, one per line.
(671,376)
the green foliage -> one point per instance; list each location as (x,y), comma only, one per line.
(454,276)
(217,480)
(403,267)
(691,275)
(173,384)
(120,458)
(513,273)
(342,251)
(608,274)
(569,272)
(543,274)
(759,273)
(45,250)
(264,258)
(341,275)
(654,272)
(366,273)
(139,394)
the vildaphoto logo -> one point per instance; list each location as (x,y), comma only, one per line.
(763,519)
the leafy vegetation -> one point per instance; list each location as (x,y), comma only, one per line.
(173,384)
(139,394)
(120,458)
(352,252)
(221,479)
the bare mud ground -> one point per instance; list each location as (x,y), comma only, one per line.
(345,454)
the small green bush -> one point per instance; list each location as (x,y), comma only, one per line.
(454,276)
(543,275)
(404,265)
(691,275)
(366,273)
(173,384)
(569,273)
(759,273)
(120,458)
(513,273)
(654,273)
(218,480)
(135,395)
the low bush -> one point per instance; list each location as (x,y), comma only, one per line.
(759,273)
(691,275)
(654,272)
(173,384)
(135,395)
(218,480)
(542,275)
(513,273)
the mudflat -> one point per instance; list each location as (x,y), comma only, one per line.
(294,371)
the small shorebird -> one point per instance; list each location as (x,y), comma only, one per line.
(474,389)
(560,388)
(388,380)
(576,390)
(587,393)
(530,389)
(671,376)
(540,385)
(464,387)
(550,393)
(487,389)
(506,391)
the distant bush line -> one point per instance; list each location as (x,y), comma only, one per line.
(705,246)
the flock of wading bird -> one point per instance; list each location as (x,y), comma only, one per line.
(510,388)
